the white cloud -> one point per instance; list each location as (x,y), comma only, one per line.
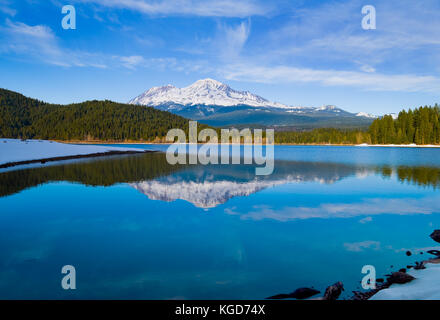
(361,246)
(367,81)
(37,41)
(333,30)
(208,8)
(365,220)
(39,31)
(40,43)
(132,61)
(370,207)
(231,40)
(5,7)
(9,11)
(367,68)
(325,45)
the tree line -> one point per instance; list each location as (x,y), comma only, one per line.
(418,126)
(26,118)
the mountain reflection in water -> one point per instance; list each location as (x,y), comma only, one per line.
(203,186)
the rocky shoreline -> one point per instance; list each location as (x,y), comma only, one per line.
(401,277)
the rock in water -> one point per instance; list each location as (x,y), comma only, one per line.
(419,266)
(435,235)
(408,253)
(399,277)
(434,252)
(334,291)
(303,293)
(279,296)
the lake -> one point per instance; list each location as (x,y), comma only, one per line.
(136,227)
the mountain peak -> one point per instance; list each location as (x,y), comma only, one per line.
(155,90)
(329,108)
(211,98)
(365,115)
(202,92)
(207,81)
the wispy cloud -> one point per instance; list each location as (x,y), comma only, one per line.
(206,8)
(333,30)
(39,43)
(364,80)
(232,39)
(370,207)
(321,44)
(361,246)
(325,45)
(225,45)
(132,62)
(5,7)
(366,220)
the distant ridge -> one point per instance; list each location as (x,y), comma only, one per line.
(215,103)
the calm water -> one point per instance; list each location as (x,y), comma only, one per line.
(137,228)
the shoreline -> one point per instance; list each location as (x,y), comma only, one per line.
(276,144)
(77,156)
(412,282)
(418,280)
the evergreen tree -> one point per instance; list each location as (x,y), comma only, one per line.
(22,117)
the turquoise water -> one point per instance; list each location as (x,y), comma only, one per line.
(135,227)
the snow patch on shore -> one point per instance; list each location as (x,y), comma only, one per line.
(412,145)
(424,287)
(15,150)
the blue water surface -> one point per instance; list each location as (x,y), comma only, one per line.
(135,227)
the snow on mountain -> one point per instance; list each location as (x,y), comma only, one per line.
(210,194)
(218,104)
(329,108)
(366,115)
(202,92)
(206,195)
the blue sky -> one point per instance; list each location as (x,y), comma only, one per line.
(308,53)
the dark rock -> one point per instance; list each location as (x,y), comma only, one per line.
(334,291)
(419,266)
(399,277)
(380,280)
(434,252)
(303,293)
(358,295)
(402,270)
(435,235)
(408,253)
(279,296)
(409,267)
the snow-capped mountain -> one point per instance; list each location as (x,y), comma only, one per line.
(208,194)
(202,92)
(215,103)
(210,186)
(366,115)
